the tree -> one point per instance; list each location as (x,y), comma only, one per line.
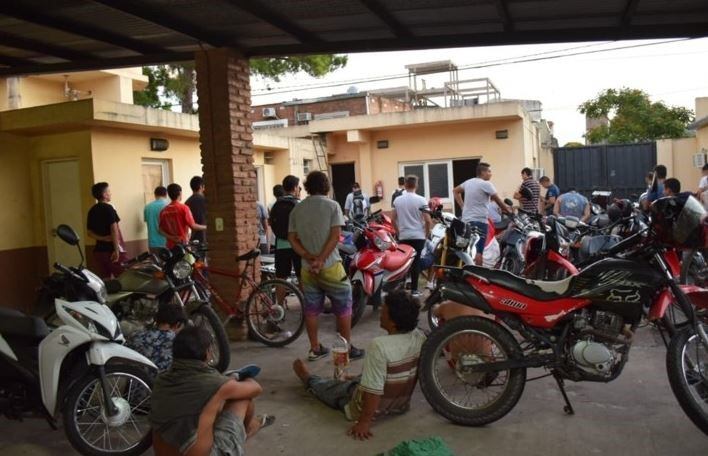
(175,84)
(633,117)
(573,144)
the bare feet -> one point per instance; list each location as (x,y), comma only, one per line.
(301,370)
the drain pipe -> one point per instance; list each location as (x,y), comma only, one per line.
(14,99)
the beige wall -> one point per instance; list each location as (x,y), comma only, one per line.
(677,156)
(16,184)
(117,159)
(23,208)
(438,142)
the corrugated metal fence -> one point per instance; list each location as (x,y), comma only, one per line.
(617,167)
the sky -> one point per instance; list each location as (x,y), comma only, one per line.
(673,71)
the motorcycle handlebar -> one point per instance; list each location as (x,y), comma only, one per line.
(61,268)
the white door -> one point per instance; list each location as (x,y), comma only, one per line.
(62,205)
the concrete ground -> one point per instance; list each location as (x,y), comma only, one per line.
(634,415)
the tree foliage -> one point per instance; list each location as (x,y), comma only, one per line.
(175,84)
(573,144)
(633,117)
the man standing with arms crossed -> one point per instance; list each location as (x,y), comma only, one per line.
(478,191)
(412,225)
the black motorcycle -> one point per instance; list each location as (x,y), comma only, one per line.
(134,296)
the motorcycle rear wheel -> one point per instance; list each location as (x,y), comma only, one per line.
(440,347)
(84,417)
(687,368)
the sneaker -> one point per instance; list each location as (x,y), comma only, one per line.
(355,353)
(321,352)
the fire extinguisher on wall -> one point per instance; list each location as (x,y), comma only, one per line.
(378,189)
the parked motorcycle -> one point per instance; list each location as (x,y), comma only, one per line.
(135,295)
(82,370)
(380,264)
(473,369)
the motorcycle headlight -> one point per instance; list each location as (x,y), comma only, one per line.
(181,270)
(90,325)
(381,244)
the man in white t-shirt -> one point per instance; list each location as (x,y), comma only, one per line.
(702,192)
(412,225)
(478,191)
(357,203)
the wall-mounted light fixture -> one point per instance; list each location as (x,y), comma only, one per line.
(159,144)
(383,144)
(501,134)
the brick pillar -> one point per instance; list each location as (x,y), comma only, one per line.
(227,160)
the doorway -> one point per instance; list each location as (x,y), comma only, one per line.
(461,171)
(62,205)
(343,177)
(155,173)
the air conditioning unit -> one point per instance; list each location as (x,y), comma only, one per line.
(699,160)
(269,113)
(304,116)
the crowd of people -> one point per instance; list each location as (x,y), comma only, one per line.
(197,410)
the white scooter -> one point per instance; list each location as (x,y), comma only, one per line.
(80,369)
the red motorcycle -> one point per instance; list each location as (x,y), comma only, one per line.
(380,264)
(473,369)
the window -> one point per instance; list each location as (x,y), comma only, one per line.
(306,166)
(434,178)
(155,173)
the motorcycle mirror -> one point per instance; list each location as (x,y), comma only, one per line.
(67,234)
(374,199)
(508,202)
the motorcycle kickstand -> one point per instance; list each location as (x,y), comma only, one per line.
(568,408)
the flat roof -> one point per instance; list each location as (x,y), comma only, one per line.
(37,36)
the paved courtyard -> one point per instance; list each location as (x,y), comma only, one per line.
(634,415)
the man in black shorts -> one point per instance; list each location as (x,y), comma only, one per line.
(286,260)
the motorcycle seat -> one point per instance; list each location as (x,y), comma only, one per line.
(396,259)
(347,249)
(15,323)
(534,289)
(248,256)
(501,226)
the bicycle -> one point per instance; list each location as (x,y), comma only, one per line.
(270,322)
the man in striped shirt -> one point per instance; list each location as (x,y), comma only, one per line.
(390,370)
(529,197)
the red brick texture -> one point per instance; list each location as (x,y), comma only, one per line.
(227,159)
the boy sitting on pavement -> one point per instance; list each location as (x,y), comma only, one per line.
(389,374)
(196,410)
(155,343)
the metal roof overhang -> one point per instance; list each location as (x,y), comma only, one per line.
(37,36)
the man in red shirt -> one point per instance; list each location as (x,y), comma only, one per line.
(176,219)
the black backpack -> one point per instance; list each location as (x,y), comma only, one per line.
(280,216)
(358,205)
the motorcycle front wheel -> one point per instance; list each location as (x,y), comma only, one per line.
(463,396)
(511,262)
(359,300)
(687,368)
(89,428)
(207,318)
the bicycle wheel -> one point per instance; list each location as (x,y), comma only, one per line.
(275,313)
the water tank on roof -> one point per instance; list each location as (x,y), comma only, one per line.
(352,90)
